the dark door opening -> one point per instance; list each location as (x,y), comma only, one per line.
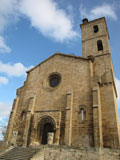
(46,129)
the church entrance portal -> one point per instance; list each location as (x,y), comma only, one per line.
(46,129)
(46,125)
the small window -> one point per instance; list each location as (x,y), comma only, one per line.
(99,45)
(96,29)
(23,114)
(54,80)
(82,114)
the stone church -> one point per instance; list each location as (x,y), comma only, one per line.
(70,100)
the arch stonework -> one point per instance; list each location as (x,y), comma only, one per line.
(39,119)
(40,128)
(47,118)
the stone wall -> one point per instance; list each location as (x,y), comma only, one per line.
(75,78)
(62,153)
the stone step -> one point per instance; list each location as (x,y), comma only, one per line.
(4,148)
(19,153)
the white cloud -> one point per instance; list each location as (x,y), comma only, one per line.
(4,116)
(118,87)
(107,10)
(8,10)
(3,47)
(3,80)
(16,70)
(5,109)
(44,15)
(8,14)
(4,120)
(48,18)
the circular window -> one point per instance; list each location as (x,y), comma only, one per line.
(54,80)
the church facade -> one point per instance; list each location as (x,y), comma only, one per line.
(70,97)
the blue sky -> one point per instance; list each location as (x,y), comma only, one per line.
(33,30)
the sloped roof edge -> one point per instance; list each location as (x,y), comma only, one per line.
(57,53)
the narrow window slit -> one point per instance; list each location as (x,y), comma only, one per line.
(96,29)
(83,114)
(23,114)
(99,45)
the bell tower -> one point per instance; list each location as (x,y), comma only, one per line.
(95,37)
(95,46)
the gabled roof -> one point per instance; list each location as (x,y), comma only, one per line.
(60,54)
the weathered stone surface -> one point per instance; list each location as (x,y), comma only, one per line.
(54,153)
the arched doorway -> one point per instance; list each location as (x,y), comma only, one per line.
(46,125)
(46,129)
